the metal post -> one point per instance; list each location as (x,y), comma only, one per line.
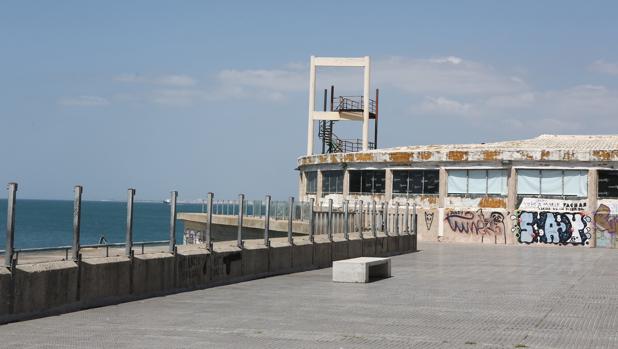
(396,217)
(290,219)
(10,225)
(346,224)
(323,124)
(375,129)
(77,210)
(355,217)
(267,222)
(128,246)
(329,221)
(360,218)
(385,218)
(415,221)
(241,204)
(311,221)
(407,219)
(209,223)
(373,220)
(172,243)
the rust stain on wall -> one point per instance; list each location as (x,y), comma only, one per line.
(544,154)
(457,155)
(525,155)
(568,155)
(363,157)
(490,202)
(432,200)
(605,154)
(424,155)
(491,155)
(348,157)
(400,157)
(333,159)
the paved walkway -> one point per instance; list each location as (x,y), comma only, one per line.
(446,296)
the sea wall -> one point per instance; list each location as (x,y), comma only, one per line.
(50,288)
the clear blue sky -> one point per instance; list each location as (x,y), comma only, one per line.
(212,96)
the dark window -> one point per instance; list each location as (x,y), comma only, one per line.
(332,182)
(416,182)
(367,182)
(608,184)
(312,182)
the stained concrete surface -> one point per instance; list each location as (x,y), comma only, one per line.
(446,296)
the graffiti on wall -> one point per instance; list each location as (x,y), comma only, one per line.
(542,204)
(480,223)
(553,227)
(428,219)
(192,236)
(606,224)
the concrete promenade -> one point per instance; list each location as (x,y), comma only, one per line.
(446,296)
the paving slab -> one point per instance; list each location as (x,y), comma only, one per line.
(445,296)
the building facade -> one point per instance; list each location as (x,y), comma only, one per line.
(559,190)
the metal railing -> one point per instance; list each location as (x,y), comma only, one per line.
(11,254)
(350,145)
(358,217)
(351,217)
(353,104)
(279,210)
(66,249)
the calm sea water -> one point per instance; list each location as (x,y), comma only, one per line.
(46,223)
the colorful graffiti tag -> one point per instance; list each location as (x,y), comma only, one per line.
(553,227)
(606,224)
(469,222)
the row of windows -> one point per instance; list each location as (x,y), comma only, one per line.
(530,182)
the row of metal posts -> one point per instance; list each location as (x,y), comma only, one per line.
(9,254)
(231,208)
(372,213)
(12,188)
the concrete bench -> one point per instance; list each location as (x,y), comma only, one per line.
(362,269)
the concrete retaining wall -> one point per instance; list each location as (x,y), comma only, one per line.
(51,288)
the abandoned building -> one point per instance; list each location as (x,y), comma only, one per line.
(552,189)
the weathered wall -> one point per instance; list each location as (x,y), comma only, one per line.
(550,227)
(5,290)
(427,224)
(606,223)
(49,288)
(225,228)
(481,226)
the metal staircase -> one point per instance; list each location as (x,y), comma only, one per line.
(330,142)
(350,106)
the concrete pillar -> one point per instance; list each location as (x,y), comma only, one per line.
(388,185)
(366,88)
(318,190)
(302,186)
(311,106)
(346,184)
(443,189)
(593,194)
(511,184)
(593,189)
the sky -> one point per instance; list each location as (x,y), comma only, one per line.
(200,96)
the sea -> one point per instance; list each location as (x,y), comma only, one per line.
(49,223)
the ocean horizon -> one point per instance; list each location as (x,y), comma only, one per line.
(49,223)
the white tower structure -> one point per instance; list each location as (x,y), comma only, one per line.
(347,108)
